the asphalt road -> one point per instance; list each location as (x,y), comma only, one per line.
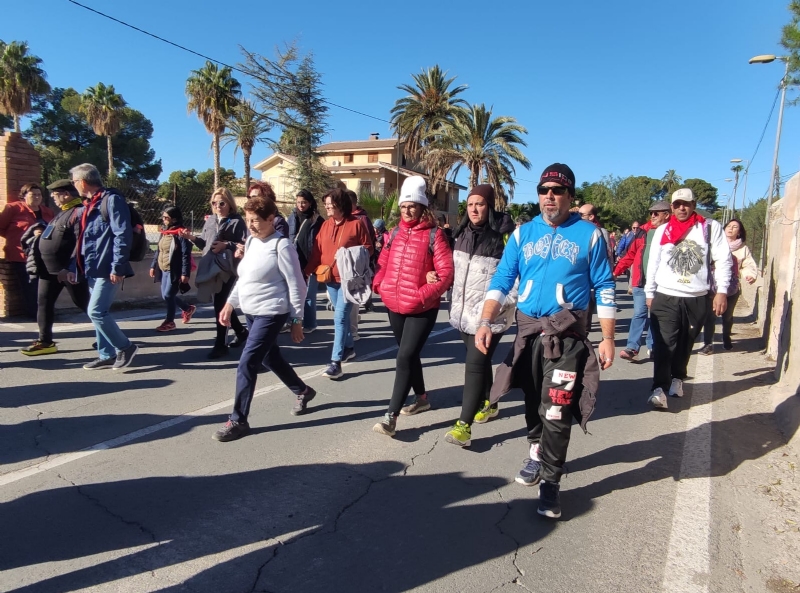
(111,482)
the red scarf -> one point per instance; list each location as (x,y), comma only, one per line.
(676,230)
(89,205)
(175,231)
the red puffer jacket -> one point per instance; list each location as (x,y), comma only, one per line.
(400,277)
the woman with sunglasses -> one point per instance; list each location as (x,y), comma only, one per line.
(224,229)
(172,266)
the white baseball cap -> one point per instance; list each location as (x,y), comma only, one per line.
(683,195)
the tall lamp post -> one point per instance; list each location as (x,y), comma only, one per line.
(766,59)
(726,213)
(744,192)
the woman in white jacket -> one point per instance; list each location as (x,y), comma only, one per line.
(270,291)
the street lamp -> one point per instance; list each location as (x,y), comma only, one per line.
(744,193)
(726,211)
(766,59)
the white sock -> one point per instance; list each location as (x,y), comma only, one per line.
(535,452)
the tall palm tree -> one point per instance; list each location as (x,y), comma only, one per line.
(21,78)
(104,109)
(429,104)
(670,181)
(487,146)
(213,93)
(245,128)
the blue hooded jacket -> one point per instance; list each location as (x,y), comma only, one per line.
(106,246)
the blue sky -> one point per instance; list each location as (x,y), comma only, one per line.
(621,87)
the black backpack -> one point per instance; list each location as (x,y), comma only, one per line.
(139,244)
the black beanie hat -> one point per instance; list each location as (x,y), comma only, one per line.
(559,173)
(485,191)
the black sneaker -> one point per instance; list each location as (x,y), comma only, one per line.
(218,352)
(529,475)
(708,349)
(100,363)
(239,340)
(334,370)
(231,431)
(302,401)
(125,357)
(727,344)
(549,505)
(349,354)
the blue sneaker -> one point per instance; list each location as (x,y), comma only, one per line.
(349,354)
(549,504)
(334,370)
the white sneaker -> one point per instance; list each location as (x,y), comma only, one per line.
(658,399)
(676,389)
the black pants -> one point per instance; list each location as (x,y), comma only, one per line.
(411,333)
(675,322)
(552,389)
(28,288)
(477,376)
(219,302)
(49,290)
(727,322)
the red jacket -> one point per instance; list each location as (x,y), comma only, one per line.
(400,277)
(15,219)
(352,232)
(633,256)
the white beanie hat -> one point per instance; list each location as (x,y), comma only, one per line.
(413,190)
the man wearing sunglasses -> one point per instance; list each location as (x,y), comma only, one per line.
(559,258)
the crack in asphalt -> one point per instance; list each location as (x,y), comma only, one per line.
(520,573)
(36,437)
(414,458)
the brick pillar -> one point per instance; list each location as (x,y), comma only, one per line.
(19,164)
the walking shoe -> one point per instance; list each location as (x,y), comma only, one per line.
(167,326)
(486,413)
(287,327)
(186,316)
(334,370)
(125,357)
(529,475)
(302,400)
(349,354)
(549,505)
(420,404)
(658,399)
(387,425)
(39,348)
(676,389)
(100,363)
(461,435)
(727,344)
(707,349)
(218,352)
(628,354)
(369,307)
(309,330)
(231,431)
(239,340)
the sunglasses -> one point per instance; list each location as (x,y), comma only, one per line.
(558,190)
(219,204)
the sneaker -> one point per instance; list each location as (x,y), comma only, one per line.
(529,475)
(39,348)
(334,370)
(100,363)
(167,326)
(239,340)
(420,404)
(287,327)
(218,352)
(486,413)
(549,505)
(309,330)
(707,350)
(387,425)
(658,399)
(125,357)
(302,400)
(349,354)
(628,354)
(676,389)
(186,316)
(231,431)
(727,344)
(461,435)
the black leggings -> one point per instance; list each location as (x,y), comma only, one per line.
(219,302)
(49,289)
(411,333)
(727,322)
(477,376)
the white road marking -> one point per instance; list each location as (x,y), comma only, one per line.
(59,460)
(688,568)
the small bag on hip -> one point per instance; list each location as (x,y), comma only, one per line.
(324,274)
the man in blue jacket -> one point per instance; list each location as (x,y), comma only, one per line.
(559,260)
(101,256)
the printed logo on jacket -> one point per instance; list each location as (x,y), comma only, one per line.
(556,246)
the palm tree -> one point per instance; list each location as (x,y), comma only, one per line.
(213,94)
(427,106)
(670,181)
(246,127)
(21,78)
(736,170)
(105,111)
(487,146)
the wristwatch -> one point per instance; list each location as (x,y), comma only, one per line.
(296,321)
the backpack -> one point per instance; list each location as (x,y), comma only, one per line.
(397,230)
(139,244)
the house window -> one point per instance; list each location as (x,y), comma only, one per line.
(348,157)
(372,157)
(364,186)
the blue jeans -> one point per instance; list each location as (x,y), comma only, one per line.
(110,338)
(310,308)
(640,322)
(169,292)
(262,347)
(342,337)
